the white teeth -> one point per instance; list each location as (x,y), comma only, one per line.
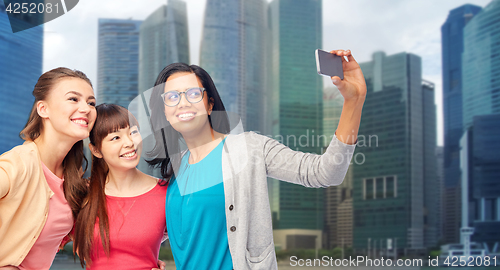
(79,121)
(131,154)
(186,115)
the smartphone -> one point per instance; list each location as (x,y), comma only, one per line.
(329,64)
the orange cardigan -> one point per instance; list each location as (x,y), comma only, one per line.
(24,202)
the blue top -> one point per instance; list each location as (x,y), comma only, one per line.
(196,218)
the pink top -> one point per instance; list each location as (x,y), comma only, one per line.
(136,228)
(59,223)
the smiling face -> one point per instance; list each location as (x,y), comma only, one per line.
(69,110)
(187,118)
(121,149)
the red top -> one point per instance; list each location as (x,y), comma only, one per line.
(136,228)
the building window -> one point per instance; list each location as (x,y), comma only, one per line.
(380,188)
(490,209)
(390,186)
(369,189)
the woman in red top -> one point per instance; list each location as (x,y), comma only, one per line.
(122,223)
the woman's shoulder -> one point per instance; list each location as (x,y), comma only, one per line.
(21,155)
(19,165)
(247,135)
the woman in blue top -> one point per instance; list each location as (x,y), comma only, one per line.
(218,213)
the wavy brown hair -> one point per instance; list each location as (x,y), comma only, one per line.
(75,188)
(110,118)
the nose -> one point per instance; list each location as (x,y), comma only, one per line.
(183,101)
(128,142)
(84,107)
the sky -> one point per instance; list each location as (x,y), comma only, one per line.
(363,26)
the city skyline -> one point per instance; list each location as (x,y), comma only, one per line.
(353,23)
(395,186)
(23,51)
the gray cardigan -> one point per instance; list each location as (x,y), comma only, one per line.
(247,160)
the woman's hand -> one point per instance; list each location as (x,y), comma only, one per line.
(353,87)
(161,265)
(9,267)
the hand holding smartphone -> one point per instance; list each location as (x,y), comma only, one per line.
(329,64)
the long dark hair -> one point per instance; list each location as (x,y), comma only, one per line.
(110,118)
(167,139)
(74,186)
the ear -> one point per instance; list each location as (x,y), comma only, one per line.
(42,109)
(210,105)
(95,151)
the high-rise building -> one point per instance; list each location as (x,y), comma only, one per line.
(338,199)
(117,61)
(480,64)
(297,115)
(480,165)
(233,51)
(163,40)
(452,48)
(432,187)
(20,66)
(396,137)
(481,106)
(440,180)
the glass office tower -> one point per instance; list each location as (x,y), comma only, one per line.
(117,61)
(163,40)
(452,37)
(21,56)
(297,116)
(480,64)
(481,168)
(398,141)
(481,106)
(233,51)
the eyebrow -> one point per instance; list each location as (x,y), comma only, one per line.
(78,94)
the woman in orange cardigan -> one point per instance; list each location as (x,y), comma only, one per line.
(44,173)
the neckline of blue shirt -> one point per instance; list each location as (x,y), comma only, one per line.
(188,154)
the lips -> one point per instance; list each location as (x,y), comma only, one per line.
(186,116)
(129,155)
(81,121)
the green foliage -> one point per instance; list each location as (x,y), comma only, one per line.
(434,253)
(166,254)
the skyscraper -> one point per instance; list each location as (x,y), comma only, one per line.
(481,106)
(297,33)
(440,177)
(432,187)
(480,64)
(338,199)
(397,135)
(480,164)
(233,51)
(20,66)
(117,61)
(452,47)
(163,39)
